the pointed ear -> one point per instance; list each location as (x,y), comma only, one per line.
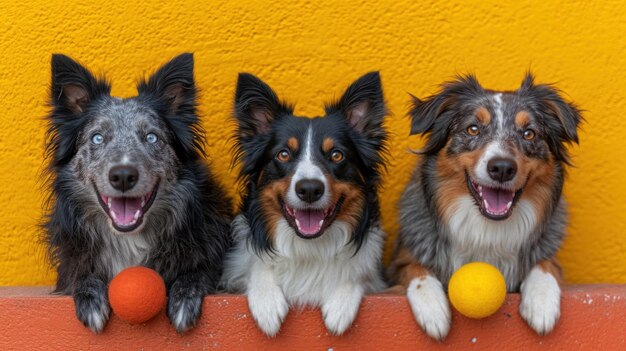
(550,103)
(256,106)
(363,104)
(73,86)
(173,84)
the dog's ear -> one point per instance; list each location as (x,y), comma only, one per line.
(424,113)
(363,105)
(172,92)
(434,114)
(549,102)
(256,106)
(174,84)
(73,86)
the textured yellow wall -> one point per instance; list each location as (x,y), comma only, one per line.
(309,52)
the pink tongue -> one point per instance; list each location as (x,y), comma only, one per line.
(309,222)
(496,200)
(125,209)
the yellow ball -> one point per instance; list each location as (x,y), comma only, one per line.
(477,290)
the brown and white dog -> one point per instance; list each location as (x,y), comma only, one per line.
(488,188)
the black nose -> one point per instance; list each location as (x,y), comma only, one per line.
(309,190)
(123,177)
(501,169)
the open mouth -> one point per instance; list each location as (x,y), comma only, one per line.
(494,203)
(310,223)
(127,212)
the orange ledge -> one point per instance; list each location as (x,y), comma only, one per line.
(593,317)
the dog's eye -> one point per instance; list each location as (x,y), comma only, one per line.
(529,134)
(473,130)
(151,138)
(97,139)
(283,155)
(336,156)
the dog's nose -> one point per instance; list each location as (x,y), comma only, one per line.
(123,177)
(501,169)
(309,190)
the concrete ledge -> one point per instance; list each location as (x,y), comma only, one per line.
(593,318)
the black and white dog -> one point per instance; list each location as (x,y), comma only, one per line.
(488,188)
(309,228)
(129,187)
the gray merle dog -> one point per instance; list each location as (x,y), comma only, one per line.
(488,188)
(130,187)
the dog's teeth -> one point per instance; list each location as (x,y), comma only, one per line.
(109,203)
(297,223)
(113,215)
(321,222)
(508,206)
(143,201)
(485,204)
(136,214)
(480,188)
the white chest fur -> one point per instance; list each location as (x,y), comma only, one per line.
(323,272)
(123,251)
(307,271)
(476,238)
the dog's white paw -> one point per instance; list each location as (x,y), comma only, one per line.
(541,301)
(93,312)
(340,309)
(268,309)
(430,307)
(267,303)
(91,303)
(184,311)
(96,318)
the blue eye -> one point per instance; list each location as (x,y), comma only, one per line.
(151,138)
(97,139)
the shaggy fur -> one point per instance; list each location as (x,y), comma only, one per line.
(110,156)
(488,188)
(309,228)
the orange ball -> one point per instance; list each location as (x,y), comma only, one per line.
(137,294)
